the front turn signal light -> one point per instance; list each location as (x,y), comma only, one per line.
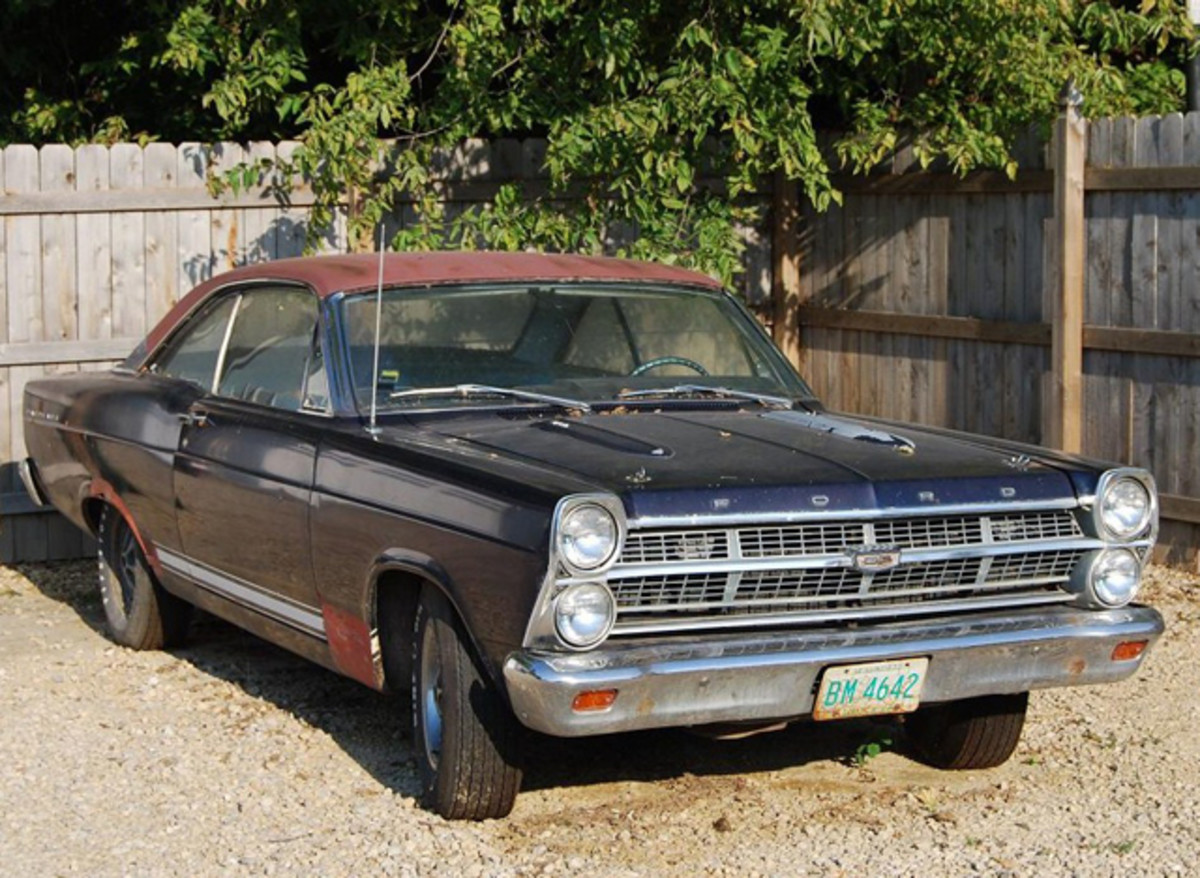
(594,699)
(1128,650)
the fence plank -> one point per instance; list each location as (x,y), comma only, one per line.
(1065,408)
(195,260)
(126,171)
(259,227)
(24,274)
(162,235)
(289,233)
(95,247)
(1190,312)
(59,293)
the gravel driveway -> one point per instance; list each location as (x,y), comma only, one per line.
(233,757)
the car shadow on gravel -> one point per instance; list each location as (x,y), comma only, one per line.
(374,730)
(672,753)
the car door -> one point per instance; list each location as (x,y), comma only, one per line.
(243,472)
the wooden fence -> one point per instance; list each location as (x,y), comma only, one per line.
(931,298)
(925,297)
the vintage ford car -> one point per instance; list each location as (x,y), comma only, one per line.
(579,496)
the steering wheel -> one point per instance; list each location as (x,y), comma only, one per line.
(668,361)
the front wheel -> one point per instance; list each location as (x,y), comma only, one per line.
(972,733)
(140,613)
(466,738)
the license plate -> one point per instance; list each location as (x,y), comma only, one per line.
(870,689)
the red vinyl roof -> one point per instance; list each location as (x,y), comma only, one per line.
(353,273)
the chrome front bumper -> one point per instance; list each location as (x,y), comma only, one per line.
(731,679)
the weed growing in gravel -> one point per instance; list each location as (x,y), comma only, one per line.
(877,742)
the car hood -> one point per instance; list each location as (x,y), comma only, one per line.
(695,462)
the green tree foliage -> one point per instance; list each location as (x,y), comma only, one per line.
(660,116)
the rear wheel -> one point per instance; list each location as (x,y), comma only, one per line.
(972,733)
(140,613)
(466,738)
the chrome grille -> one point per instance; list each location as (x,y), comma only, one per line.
(926,533)
(784,585)
(657,547)
(1042,565)
(1034,526)
(754,573)
(659,591)
(807,539)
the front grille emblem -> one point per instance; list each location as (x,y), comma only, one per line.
(870,559)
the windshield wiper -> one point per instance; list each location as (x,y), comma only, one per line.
(763,399)
(477,391)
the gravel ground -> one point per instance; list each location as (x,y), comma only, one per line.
(233,757)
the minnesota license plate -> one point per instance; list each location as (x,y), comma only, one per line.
(870,689)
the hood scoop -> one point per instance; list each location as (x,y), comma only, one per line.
(844,429)
(604,438)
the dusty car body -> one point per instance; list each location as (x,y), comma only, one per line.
(580,496)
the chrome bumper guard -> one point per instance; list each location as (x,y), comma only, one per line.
(732,679)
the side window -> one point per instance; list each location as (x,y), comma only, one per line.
(193,355)
(269,357)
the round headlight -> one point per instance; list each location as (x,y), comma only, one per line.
(1125,508)
(1115,577)
(584,614)
(587,537)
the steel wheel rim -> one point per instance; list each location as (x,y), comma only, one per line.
(431,696)
(128,569)
(119,580)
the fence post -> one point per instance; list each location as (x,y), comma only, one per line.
(785,267)
(1063,407)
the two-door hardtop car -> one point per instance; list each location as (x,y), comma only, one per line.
(579,495)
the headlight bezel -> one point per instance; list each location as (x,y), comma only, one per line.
(1109,481)
(579,504)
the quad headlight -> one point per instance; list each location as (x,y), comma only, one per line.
(1114,577)
(588,537)
(584,614)
(1124,507)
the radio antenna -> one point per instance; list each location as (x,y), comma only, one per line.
(372,428)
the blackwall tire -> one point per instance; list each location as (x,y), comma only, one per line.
(466,739)
(972,733)
(139,612)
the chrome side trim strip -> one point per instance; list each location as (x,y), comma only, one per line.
(300,616)
(792,516)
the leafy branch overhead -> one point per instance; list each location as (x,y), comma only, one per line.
(661,117)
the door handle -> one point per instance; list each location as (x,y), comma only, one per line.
(194,419)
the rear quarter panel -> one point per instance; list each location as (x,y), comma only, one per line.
(108,434)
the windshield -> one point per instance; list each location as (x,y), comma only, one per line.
(591,343)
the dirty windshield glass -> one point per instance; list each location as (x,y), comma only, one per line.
(589,343)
